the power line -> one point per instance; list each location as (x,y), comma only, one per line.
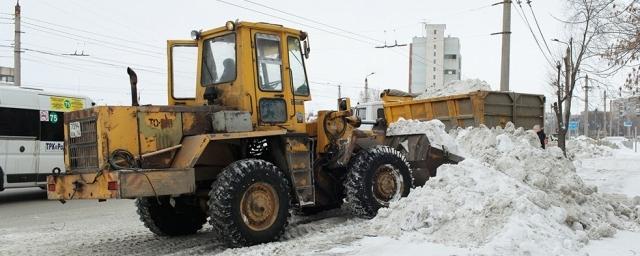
(107,45)
(90,39)
(539,29)
(93,33)
(313,21)
(368,42)
(526,21)
(138,67)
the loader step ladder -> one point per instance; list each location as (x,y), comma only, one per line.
(299,160)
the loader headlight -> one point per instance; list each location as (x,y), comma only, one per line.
(231,26)
(195,34)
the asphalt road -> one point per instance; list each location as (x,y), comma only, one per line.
(32,225)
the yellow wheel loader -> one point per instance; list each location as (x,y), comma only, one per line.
(233,146)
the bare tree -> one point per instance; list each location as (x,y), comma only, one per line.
(623,34)
(588,23)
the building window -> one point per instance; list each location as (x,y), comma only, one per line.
(435,32)
(434,53)
(450,56)
(434,61)
(434,77)
(435,47)
(434,68)
(450,72)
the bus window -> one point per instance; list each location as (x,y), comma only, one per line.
(52,130)
(361,113)
(19,122)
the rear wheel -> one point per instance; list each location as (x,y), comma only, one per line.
(249,203)
(376,177)
(164,218)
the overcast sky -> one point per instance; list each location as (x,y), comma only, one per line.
(120,33)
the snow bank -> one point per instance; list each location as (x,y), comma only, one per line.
(510,197)
(455,87)
(434,129)
(585,147)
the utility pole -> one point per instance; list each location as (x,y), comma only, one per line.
(611,119)
(586,106)
(506,45)
(366,86)
(567,86)
(366,89)
(17,49)
(604,118)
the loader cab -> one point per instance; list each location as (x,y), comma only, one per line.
(254,67)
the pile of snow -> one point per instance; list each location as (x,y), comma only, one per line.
(585,147)
(434,129)
(619,142)
(454,88)
(510,197)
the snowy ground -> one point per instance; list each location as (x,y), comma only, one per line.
(618,174)
(475,213)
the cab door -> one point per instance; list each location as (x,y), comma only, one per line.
(182,72)
(298,83)
(273,108)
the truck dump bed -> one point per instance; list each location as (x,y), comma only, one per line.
(491,108)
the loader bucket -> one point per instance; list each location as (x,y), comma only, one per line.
(423,157)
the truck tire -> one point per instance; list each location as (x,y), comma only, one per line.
(249,203)
(166,220)
(376,177)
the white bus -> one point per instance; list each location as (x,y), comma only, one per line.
(32,134)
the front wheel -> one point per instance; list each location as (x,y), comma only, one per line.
(376,177)
(249,203)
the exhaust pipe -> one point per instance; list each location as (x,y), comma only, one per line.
(133,80)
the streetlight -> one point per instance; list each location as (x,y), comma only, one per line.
(366,86)
(556,40)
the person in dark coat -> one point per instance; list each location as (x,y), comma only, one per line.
(541,135)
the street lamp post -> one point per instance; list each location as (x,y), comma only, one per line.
(366,87)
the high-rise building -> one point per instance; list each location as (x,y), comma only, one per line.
(435,59)
(625,111)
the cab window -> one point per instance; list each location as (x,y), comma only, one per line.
(219,60)
(184,67)
(269,62)
(273,110)
(296,64)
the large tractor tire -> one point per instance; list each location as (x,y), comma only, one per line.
(249,203)
(376,177)
(184,217)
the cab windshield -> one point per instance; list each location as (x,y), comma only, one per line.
(219,60)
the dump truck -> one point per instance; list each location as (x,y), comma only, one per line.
(233,146)
(490,108)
